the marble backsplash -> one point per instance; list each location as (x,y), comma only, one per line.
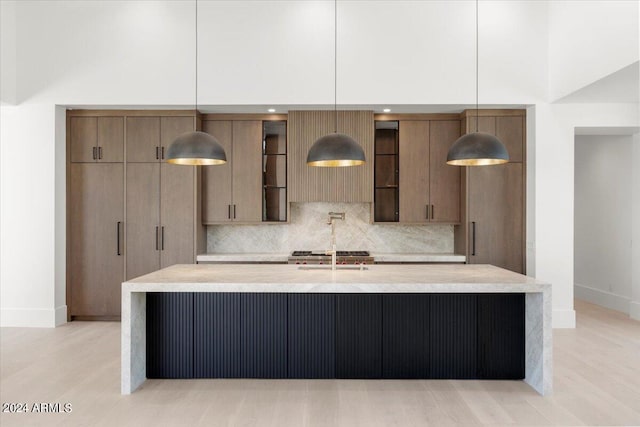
(308,230)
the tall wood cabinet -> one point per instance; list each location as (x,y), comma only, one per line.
(494,229)
(116,159)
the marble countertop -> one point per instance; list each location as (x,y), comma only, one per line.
(283,257)
(375,279)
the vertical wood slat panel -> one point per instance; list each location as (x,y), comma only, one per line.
(169,335)
(314,184)
(453,336)
(311,335)
(216,335)
(264,335)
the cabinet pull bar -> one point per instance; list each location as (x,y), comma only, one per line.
(118,238)
(473,238)
(157,155)
(427,206)
(156,237)
(162,240)
(162,153)
(433,214)
(100,153)
(234,211)
(94,153)
(229,211)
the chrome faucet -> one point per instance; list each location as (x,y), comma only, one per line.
(331,221)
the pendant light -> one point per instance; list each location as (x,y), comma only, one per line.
(335,149)
(196,148)
(477,148)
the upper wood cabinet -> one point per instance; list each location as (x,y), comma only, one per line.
(233,192)
(96,139)
(429,189)
(318,184)
(143,139)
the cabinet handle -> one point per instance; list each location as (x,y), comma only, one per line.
(427,206)
(157,153)
(473,238)
(234,211)
(100,153)
(94,152)
(162,240)
(433,214)
(229,211)
(162,153)
(118,238)
(156,237)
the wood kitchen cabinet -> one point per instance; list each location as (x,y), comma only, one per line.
(96,139)
(428,188)
(95,263)
(494,228)
(161,223)
(161,201)
(233,192)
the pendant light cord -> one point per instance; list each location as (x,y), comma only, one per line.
(335,64)
(196,26)
(477,67)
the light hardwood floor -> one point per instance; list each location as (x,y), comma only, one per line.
(597,382)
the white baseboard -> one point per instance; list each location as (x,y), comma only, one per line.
(563,319)
(603,298)
(634,310)
(33,317)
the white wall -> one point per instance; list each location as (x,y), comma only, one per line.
(588,40)
(634,308)
(603,220)
(140,53)
(8,53)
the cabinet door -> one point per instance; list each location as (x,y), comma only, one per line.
(177,214)
(311,336)
(510,130)
(111,139)
(84,139)
(171,128)
(169,337)
(405,336)
(501,336)
(247,171)
(414,171)
(359,336)
(444,180)
(96,263)
(143,139)
(453,336)
(264,335)
(496,216)
(216,180)
(143,218)
(216,331)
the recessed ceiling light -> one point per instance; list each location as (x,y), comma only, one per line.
(271,110)
(387,110)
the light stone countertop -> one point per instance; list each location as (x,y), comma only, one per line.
(283,257)
(375,279)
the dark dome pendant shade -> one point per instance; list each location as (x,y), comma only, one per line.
(335,150)
(477,149)
(196,149)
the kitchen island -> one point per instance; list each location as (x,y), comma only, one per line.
(384,322)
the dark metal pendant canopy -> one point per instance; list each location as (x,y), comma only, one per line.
(196,148)
(335,149)
(477,148)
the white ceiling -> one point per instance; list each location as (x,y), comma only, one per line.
(620,87)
